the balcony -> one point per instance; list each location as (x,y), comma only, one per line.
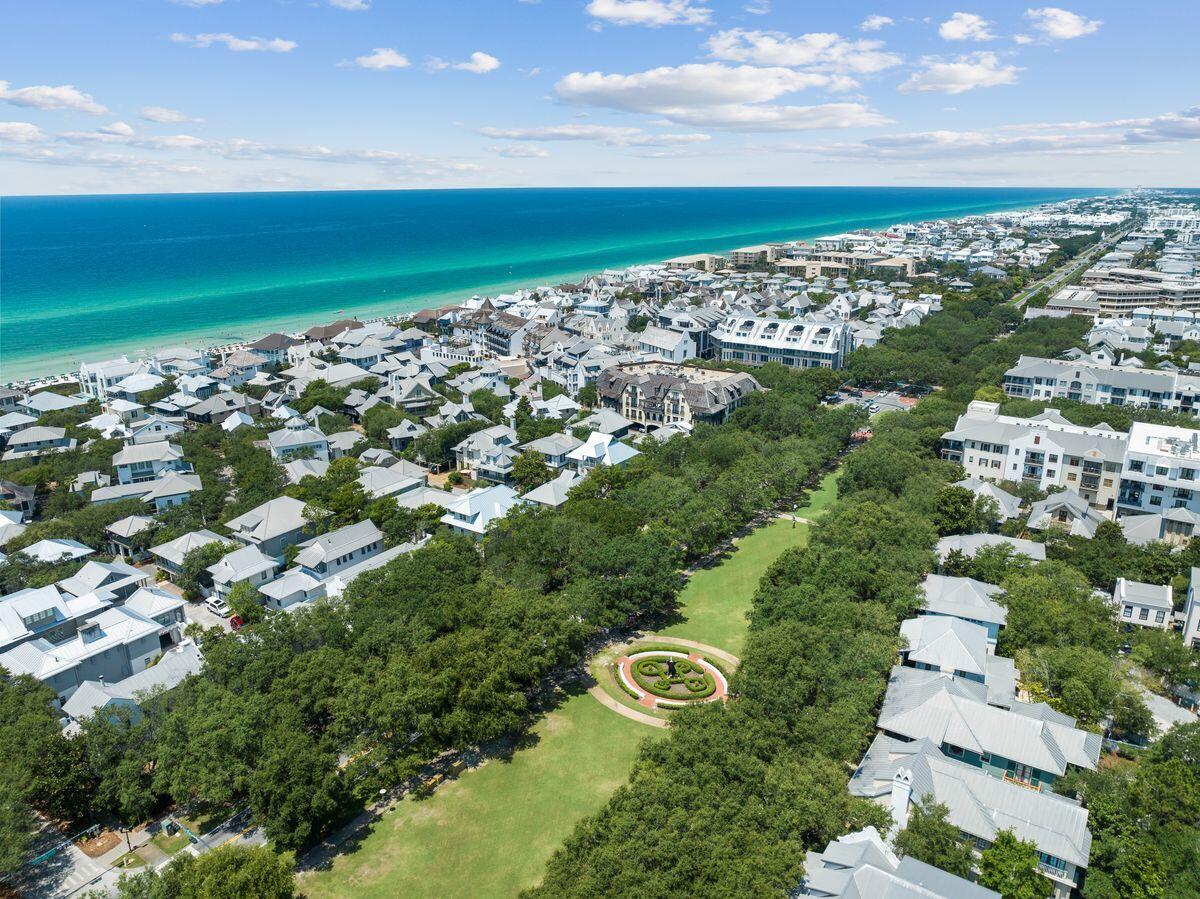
(1008,778)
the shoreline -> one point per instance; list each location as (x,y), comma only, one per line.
(50,367)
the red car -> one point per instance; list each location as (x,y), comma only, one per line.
(236,622)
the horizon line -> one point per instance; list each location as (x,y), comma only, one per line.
(715,187)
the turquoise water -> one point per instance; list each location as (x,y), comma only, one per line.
(90,277)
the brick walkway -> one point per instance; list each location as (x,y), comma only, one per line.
(625,665)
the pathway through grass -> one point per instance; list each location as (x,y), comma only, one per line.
(490,832)
(715,601)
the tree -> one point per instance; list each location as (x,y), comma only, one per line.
(244,602)
(530,470)
(1165,653)
(990,393)
(1010,867)
(587,396)
(231,872)
(931,838)
(321,393)
(523,413)
(955,511)
(378,419)
(1131,718)
(488,405)
(194,576)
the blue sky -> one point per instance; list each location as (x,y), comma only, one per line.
(194,95)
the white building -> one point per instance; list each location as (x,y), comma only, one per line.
(796,343)
(1046,450)
(1161,468)
(1146,605)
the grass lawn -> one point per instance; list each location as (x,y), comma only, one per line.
(169,845)
(490,832)
(715,601)
(130,860)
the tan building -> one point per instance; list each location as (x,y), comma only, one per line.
(653,394)
(760,256)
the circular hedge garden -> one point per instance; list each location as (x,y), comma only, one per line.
(672,677)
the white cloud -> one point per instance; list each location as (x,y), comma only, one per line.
(959,75)
(1041,139)
(717,96)
(480,63)
(196,3)
(966,26)
(120,129)
(613,135)
(352,5)
(43,96)
(693,85)
(165,116)
(237,44)
(243,149)
(758,7)
(381,59)
(1061,25)
(650,13)
(876,22)
(1022,39)
(21,133)
(517,151)
(816,50)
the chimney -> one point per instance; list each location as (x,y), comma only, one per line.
(90,631)
(901,797)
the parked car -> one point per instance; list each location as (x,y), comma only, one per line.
(873,408)
(217,606)
(236,622)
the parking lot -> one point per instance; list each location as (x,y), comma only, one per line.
(876,402)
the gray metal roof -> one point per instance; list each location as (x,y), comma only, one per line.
(978,804)
(963,597)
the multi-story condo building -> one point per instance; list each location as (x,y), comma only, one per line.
(1161,470)
(1088,381)
(796,343)
(653,394)
(1046,450)
(761,256)
(1121,290)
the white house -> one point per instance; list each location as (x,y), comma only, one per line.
(295,438)
(472,512)
(1146,605)
(600,449)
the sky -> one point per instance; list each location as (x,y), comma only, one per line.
(150,96)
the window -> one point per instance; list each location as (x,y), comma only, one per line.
(1128,612)
(1158,616)
(1143,614)
(1049,861)
(955,751)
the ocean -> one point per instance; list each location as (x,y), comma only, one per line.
(91,277)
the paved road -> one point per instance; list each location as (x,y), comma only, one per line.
(1064,272)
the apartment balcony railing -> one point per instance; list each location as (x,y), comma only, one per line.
(1008,778)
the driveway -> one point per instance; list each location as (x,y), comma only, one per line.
(199,613)
(1165,712)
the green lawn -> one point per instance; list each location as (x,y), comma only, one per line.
(715,601)
(490,832)
(170,845)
